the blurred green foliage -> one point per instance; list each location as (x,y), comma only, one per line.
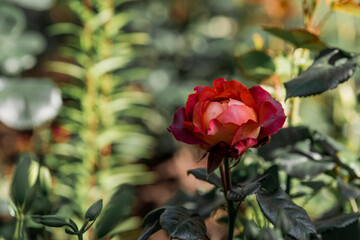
(125,66)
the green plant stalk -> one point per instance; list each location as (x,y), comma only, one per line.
(18,234)
(232,212)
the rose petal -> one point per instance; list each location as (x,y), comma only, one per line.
(212,110)
(233,89)
(249,129)
(190,104)
(244,145)
(198,112)
(237,114)
(179,131)
(219,132)
(271,113)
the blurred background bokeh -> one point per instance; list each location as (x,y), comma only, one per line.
(88,88)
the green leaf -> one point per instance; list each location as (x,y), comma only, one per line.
(200,173)
(347,191)
(300,38)
(94,210)
(28,103)
(180,223)
(256,65)
(271,203)
(67,68)
(339,221)
(117,210)
(331,68)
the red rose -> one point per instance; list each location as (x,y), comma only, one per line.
(227,120)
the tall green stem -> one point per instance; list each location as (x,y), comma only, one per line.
(226,180)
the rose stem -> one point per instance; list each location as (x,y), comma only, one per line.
(226,180)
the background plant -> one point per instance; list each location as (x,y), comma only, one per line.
(190,43)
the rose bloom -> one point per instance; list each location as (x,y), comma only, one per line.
(227,120)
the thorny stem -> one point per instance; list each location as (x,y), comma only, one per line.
(226,180)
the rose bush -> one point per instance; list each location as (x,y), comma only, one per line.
(227,119)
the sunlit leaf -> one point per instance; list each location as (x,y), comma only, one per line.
(300,38)
(327,71)
(348,191)
(28,103)
(271,204)
(108,65)
(67,68)
(349,7)
(23,179)
(256,65)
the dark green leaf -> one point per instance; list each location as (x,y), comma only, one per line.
(180,223)
(271,203)
(325,144)
(315,185)
(150,230)
(94,210)
(285,137)
(151,223)
(271,183)
(300,38)
(268,234)
(200,173)
(322,75)
(251,231)
(70,232)
(153,216)
(347,191)
(256,65)
(351,231)
(300,166)
(340,221)
(118,209)
(240,192)
(73,224)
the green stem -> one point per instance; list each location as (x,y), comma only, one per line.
(288,184)
(80,237)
